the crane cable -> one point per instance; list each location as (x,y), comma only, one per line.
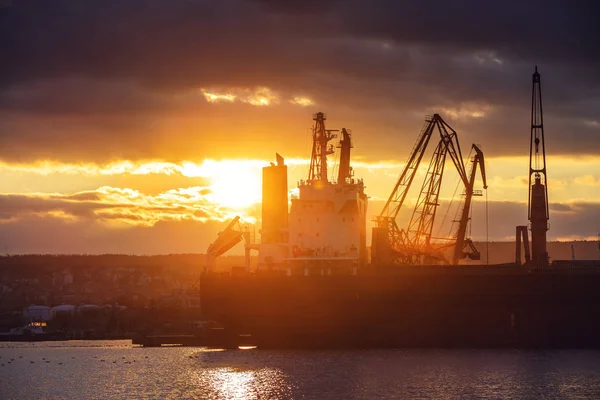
(487,232)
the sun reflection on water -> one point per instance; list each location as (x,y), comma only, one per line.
(241,383)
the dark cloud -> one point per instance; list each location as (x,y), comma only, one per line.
(110,79)
(37,234)
(558,207)
(75,97)
(83,196)
(535,30)
(14,206)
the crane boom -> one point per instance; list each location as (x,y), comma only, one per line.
(464,247)
(396,199)
(389,241)
(413,246)
(226,239)
(421,224)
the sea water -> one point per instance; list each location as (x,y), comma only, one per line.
(118,370)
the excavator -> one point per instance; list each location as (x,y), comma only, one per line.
(414,245)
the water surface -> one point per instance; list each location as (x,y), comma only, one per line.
(117,370)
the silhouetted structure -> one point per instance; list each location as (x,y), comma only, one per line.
(538,213)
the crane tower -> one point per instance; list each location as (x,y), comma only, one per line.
(538,213)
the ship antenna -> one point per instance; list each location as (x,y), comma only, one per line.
(320,149)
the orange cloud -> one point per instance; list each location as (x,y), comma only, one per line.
(236,183)
(465,110)
(302,101)
(121,206)
(259,96)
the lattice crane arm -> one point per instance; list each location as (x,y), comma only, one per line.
(421,223)
(413,246)
(394,203)
(457,158)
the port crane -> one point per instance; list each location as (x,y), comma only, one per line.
(226,239)
(464,247)
(538,213)
(537,202)
(413,245)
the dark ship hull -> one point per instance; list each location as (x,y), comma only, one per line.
(478,306)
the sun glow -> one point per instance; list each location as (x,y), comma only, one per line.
(233,183)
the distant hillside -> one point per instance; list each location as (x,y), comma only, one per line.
(500,252)
(504,252)
(177,262)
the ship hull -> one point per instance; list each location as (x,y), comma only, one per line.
(411,307)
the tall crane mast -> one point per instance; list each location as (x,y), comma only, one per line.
(320,149)
(538,213)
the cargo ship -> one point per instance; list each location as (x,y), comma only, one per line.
(318,284)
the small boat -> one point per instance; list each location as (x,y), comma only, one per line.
(32,332)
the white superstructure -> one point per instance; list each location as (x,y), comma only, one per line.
(325,229)
(328,220)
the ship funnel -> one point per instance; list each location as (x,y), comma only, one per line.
(274,202)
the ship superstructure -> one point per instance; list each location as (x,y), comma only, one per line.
(325,230)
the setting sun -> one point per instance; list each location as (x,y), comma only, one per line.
(233,183)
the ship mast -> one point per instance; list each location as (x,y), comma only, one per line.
(538,213)
(320,149)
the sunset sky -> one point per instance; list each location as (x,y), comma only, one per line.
(141,126)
